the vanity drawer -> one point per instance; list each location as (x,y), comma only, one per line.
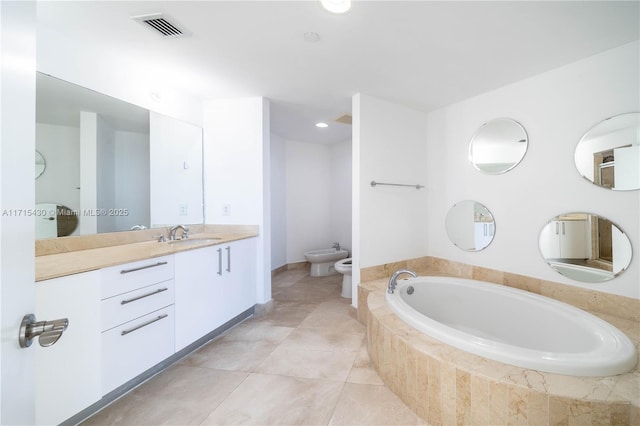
(130,276)
(125,307)
(136,346)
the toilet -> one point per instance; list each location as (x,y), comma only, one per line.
(344,267)
(322,261)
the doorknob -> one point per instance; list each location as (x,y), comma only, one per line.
(48,332)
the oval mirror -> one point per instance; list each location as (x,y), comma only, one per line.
(498,146)
(585,247)
(40,164)
(608,155)
(55,220)
(470,225)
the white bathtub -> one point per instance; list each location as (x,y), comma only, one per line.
(513,326)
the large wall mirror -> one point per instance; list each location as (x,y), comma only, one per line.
(116,165)
(585,247)
(470,225)
(498,146)
(608,155)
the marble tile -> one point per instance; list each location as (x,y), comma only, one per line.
(422,385)
(286,314)
(364,376)
(572,295)
(620,414)
(517,405)
(336,321)
(488,275)
(371,405)
(435,396)
(323,339)
(362,305)
(309,364)
(463,398)
(479,401)
(420,265)
(448,393)
(538,408)
(612,304)
(240,355)
(180,395)
(276,400)
(252,332)
(498,404)
(522,282)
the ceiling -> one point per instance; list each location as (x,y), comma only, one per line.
(422,54)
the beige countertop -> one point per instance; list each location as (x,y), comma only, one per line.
(60,264)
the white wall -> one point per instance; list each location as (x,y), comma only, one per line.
(88,172)
(237,175)
(175,183)
(340,215)
(278,202)
(60,147)
(310,196)
(132,179)
(105,174)
(556,108)
(392,148)
(118,73)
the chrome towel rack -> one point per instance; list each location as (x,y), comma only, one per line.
(417,186)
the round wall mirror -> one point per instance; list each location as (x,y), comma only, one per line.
(55,220)
(40,164)
(470,225)
(498,146)
(608,155)
(585,247)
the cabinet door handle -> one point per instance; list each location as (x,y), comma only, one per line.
(160,290)
(138,327)
(228,258)
(562,228)
(557,228)
(219,261)
(485,229)
(126,271)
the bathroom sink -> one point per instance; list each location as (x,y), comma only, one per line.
(194,241)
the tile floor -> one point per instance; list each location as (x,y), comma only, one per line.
(305,363)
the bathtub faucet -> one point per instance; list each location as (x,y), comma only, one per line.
(392,281)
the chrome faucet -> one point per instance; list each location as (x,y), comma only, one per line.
(392,281)
(172,232)
(336,246)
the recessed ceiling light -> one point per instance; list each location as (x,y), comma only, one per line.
(336,6)
(322,125)
(311,37)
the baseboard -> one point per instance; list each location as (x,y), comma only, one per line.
(262,309)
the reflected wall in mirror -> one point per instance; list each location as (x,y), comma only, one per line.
(608,155)
(585,247)
(470,225)
(99,152)
(41,164)
(498,146)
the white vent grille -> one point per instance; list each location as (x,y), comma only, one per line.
(161,24)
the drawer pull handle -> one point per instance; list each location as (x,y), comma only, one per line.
(126,271)
(125,332)
(160,290)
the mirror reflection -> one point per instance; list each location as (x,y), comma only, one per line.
(585,247)
(470,225)
(117,166)
(498,146)
(608,155)
(41,164)
(54,220)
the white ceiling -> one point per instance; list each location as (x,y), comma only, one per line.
(423,54)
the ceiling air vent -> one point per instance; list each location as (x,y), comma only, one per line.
(160,23)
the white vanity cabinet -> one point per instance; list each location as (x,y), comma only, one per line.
(214,285)
(67,373)
(565,239)
(198,294)
(483,234)
(137,318)
(238,272)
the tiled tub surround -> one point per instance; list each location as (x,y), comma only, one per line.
(445,385)
(57,257)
